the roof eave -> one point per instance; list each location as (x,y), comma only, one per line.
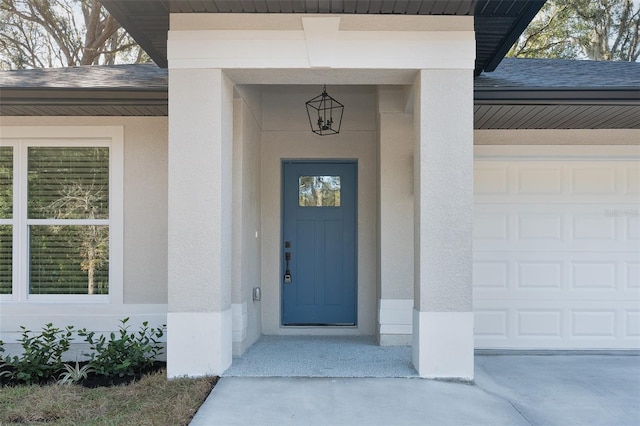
(525,19)
(93,96)
(558,96)
(125,21)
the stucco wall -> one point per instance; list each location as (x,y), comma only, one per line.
(395,221)
(443,188)
(246,213)
(144,287)
(286,135)
(396,196)
(145,199)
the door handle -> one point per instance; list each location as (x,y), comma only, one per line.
(287,271)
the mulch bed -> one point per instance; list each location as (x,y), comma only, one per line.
(93,380)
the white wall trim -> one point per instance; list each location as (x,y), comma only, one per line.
(443,344)
(239,321)
(320,33)
(62,132)
(556,152)
(293,22)
(100,318)
(396,318)
(555,137)
(369,47)
(198,343)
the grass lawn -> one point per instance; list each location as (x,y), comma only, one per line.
(153,400)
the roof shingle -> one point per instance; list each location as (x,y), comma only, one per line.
(131,76)
(561,73)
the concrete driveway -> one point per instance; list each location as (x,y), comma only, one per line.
(508,390)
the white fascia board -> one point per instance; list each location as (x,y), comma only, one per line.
(351,50)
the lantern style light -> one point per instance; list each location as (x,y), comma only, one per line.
(325,114)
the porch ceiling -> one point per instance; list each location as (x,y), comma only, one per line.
(498,23)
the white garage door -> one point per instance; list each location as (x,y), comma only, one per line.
(557,247)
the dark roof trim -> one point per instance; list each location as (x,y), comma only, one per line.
(557,96)
(83,102)
(157,100)
(140,37)
(530,11)
(65,96)
(498,23)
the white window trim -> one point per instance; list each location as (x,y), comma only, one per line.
(20,137)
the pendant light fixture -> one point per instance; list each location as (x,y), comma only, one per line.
(325,114)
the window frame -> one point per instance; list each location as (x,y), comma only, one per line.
(23,137)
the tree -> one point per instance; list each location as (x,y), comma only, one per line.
(6,212)
(77,200)
(318,191)
(58,33)
(583,29)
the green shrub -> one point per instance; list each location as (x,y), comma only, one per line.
(124,354)
(42,356)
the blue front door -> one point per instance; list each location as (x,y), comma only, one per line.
(319,243)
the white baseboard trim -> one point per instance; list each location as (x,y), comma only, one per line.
(101,318)
(239,327)
(443,345)
(198,343)
(396,319)
(239,321)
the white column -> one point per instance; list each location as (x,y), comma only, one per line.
(199,333)
(443,188)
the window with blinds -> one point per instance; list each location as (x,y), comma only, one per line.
(6,219)
(61,214)
(68,220)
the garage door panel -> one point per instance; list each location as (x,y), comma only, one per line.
(631,225)
(518,275)
(540,275)
(597,323)
(491,225)
(593,179)
(491,178)
(632,324)
(559,227)
(535,179)
(491,324)
(491,274)
(551,181)
(557,252)
(632,180)
(559,325)
(590,225)
(539,323)
(539,225)
(632,274)
(593,275)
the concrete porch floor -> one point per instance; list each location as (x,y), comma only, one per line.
(322,356)
(553,389)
